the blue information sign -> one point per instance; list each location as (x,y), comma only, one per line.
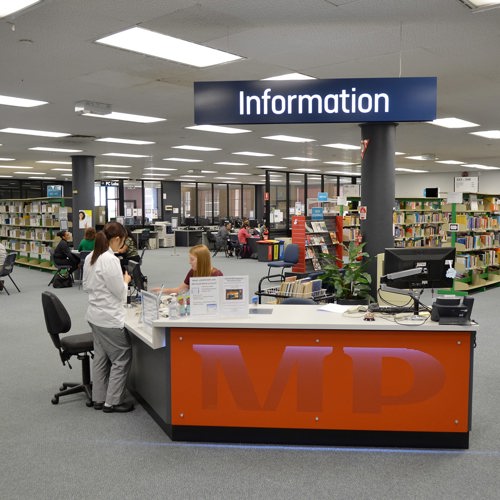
(316,101)
(317,213)
(322,196)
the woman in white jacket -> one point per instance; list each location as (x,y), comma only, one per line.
(107,289)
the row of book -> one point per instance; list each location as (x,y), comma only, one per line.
(482,222)
(316,226)
(420,232)
(470,261)
(304,288)
(478,241)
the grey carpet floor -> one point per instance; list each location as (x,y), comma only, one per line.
(71,451)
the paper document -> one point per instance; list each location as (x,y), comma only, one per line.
(335,308)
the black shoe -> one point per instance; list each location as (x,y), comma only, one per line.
(121,408)
(98,406)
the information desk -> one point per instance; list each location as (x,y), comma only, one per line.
(304,376)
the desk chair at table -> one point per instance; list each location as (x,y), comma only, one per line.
(81,345)
(290,259)
(7,268)
(144,238)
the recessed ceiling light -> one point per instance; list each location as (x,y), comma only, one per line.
(7,159)
(167,47)
(231,163)
(218,129)
(225,178)
(489,134)
(239,173)
(127,117)
(251,153)
(450,162)
(20,102)
(479,166)
(113,166)
(61,169)
(346,163)
(453,123)
(44,178)
(399,153)
(196,148)
(6,176)
(13,166)
(209,171)
(271,167)
(300,158)
(111,172)
(126,155)
(117,140)
(30,173)
(160,168)
(56,150)
(26,131)
(66,175)
(8,8)
(288,138)
(50,162)
(339,145)
(185,160)
(414,171)
(338,172)
(290,76)
(421,158)
(189,176)
(307,170)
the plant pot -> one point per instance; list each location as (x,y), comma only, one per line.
(352,302)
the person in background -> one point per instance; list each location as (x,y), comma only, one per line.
(3,254)
(243,235)
(201,266)
(88,242)
(62,253)
(128,251)
(107,288)
(222,238)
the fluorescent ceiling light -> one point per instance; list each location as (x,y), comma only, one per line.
(480,167)
(13,166)
(271,167)
(346,163)
(56,150)
(188,176)
(7,159)
(26,131)
(167,47)
(225,178)
(127,117)
(117,140)
(482,4)
(61,169)
(6,176)
(231,163)
(185,160)
(19,101)
(489,134)
(66,175)
(399,153)
(338,172)
(115,177)
(160,168)
(126,155)
(300,158)
(196,148)
(30,173)
(339,145)
(288,138)
(251,153)
(414,171)
(418,158)
(307,170)
(296,182)
(113,166)
(8,8)
(218,129)
(238,173)
(450,162)
(209,171)
(54,162)
(453,123)
(112,172)
(290,76)
(44,178)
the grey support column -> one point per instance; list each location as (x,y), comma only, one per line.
(83,192)
(378,190)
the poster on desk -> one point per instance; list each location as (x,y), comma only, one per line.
(220,296)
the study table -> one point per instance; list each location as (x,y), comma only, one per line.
(303,376)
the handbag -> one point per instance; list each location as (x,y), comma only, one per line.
(62,280)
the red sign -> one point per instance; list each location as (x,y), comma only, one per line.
(362,212)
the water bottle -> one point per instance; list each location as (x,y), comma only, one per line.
(173,307)
(255,301)
(182,305)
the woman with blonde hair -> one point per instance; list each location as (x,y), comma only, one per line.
(201,266)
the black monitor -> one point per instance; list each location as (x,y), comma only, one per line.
(435,261)
(189,221)
(253,223)
(138,280)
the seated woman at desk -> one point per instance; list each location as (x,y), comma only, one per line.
(88,242)
(128,251)
(243,235)
(62,253)
(201,266)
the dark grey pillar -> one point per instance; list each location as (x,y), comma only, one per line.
(83,192)
(378,190)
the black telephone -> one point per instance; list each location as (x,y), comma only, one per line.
(452,311)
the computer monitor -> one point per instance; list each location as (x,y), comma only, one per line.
(254,224)
(138,281)
(189,221)
(435,261)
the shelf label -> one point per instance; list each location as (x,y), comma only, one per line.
(453,228)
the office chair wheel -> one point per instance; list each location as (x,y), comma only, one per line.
(55,400)
(89,404)
(62,388)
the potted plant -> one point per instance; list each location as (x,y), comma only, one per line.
(348,279)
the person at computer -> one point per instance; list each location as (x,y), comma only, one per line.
(88,241)
(128,251)
(62,253)
(243,235)
(107,288)
(222,238)
(201,267)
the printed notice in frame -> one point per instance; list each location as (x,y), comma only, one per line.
(150,308)
(204,297)
(234,296)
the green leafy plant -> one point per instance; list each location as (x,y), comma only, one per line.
(348,277)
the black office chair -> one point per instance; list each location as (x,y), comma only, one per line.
(290,259)
(7,268)
(81,345)
(212,242)
(297,301)
(59,267)
(144,238)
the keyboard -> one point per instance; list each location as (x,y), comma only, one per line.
(390,309)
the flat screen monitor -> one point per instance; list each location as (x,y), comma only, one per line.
(436,261)
(189,221)
(134,269)
(253,223)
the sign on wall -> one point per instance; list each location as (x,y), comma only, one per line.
(316,101)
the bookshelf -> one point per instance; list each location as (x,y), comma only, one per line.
(29,226)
